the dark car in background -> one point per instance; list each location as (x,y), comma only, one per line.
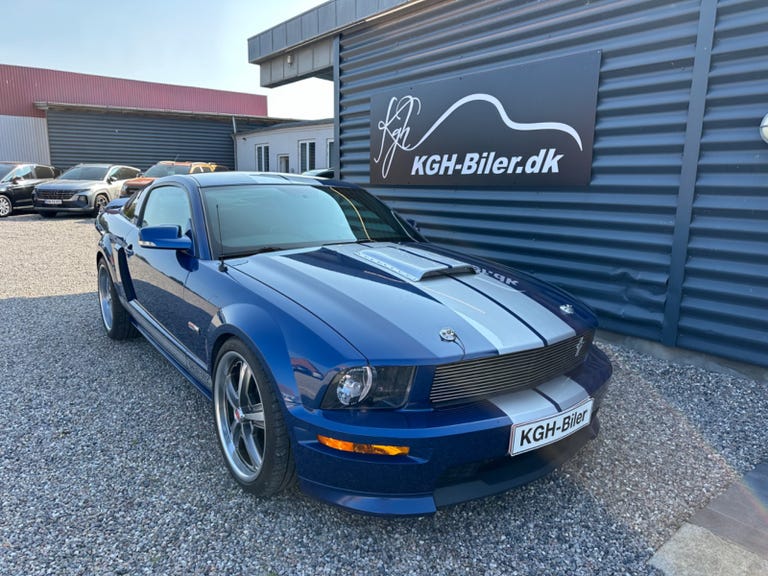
(18,180)
(168,168)
(82,188)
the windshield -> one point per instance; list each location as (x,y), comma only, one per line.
(160,170)
(85,173)
(5,170)
(258,218)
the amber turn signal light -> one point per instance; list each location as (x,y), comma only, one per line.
(380,449)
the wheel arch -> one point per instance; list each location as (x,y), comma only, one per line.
(262,335)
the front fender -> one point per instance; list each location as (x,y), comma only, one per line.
(301,353)
(259,331)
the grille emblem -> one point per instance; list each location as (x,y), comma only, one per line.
(567,308)
(579,345)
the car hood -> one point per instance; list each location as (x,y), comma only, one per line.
(22,183)
(71,184)
(143,181)
(418,303)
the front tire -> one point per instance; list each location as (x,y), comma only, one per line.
(115,318)
(249,422)
(99,203)
(6,206)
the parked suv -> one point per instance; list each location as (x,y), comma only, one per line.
(168,168)
(82,188)
(18,180)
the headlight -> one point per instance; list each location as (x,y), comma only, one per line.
(369,387)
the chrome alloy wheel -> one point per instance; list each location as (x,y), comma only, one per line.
(5,206)
(239,416)
(105,297)
(99,203)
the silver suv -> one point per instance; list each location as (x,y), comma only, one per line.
(82,188)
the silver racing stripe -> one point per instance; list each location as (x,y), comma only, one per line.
(506,317)
(550,326)
(557,395)
(524,406)
(564,391)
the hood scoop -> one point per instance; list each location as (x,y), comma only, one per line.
(410,265)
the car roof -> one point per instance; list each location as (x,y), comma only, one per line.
(236,178)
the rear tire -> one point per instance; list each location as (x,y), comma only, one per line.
(249,422)
(115,318)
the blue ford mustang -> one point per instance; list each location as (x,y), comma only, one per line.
(386,374)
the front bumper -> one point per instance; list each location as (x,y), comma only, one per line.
(456,454)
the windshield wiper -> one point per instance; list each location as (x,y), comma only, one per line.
(252,252)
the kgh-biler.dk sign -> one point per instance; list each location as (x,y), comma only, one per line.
(530,125)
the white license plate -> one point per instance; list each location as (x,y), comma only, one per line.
(532,435)
(54,202)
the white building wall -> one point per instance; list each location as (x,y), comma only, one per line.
(284,141)
(24,139)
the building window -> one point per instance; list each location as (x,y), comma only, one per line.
(307,155)
(262,157)
(330,148)
(283,164)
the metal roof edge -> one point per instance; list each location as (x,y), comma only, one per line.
(319,23)
(287,124)
(157,111)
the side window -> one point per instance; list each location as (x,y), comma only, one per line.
(167,206)
(133,206)
(262,157)
(306,155)
(43,172)
(124,173)
(330,149)
(23,173)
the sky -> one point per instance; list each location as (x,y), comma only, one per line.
(186,42)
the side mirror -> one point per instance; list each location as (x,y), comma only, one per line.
(164,238)
(414,224)
(111,180)
(16,179)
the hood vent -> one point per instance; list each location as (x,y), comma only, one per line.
(410,265)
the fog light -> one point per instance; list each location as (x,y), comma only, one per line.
(380,449)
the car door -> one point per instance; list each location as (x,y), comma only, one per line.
(23,183)
(158,276)
(118,175)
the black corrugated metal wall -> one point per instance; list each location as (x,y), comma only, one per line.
(137,140)
(669,240)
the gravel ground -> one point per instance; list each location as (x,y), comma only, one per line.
(108,461)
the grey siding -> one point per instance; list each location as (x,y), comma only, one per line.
(23,139)
(614,243)
(724,308)
(77,136)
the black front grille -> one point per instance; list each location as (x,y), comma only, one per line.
(55,194)
(508,373)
